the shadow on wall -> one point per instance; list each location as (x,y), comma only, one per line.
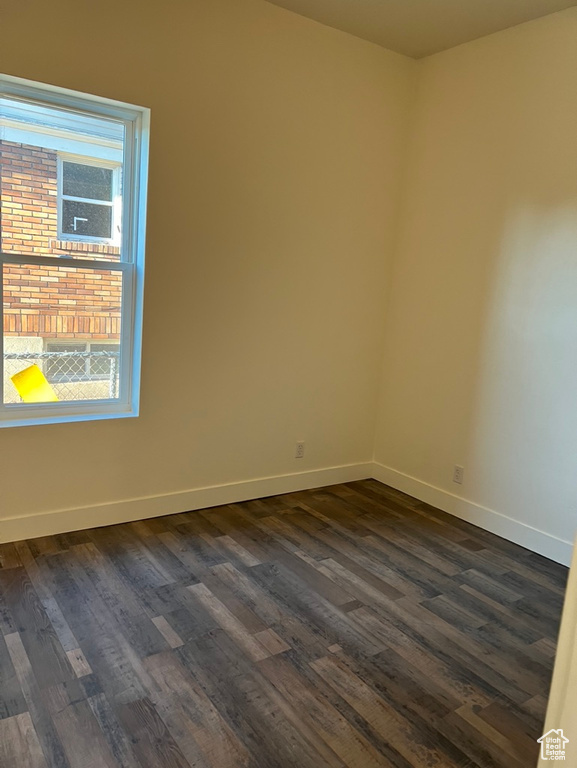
(523,432)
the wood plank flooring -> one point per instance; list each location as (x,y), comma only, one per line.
(345,626)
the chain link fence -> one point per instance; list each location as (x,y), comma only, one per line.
(73,375)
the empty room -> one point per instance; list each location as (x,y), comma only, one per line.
(288,428)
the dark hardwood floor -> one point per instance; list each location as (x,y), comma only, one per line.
(346,626)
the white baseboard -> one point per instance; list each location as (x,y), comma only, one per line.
(513,530)
(128,510)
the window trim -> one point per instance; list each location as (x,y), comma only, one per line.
(115,204)
(136,121)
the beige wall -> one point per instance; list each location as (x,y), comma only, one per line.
(268,273)
(275,162)
(480,362)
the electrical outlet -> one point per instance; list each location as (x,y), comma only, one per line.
(300,451)
(458,473)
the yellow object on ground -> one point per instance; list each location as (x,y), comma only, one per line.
(33,387)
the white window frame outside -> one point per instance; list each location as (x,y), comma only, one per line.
(115,203)
(136,122)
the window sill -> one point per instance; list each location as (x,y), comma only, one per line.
(16,417)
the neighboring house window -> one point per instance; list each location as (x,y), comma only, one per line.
(89,200)
(73,176)
(81,361)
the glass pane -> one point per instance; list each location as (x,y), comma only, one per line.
(101,359)
(32,138)
(86,219)
(61,333)
(63,367)
(87,181)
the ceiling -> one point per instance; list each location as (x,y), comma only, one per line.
(418,28)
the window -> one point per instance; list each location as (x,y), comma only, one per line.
(89,200)
(72,192)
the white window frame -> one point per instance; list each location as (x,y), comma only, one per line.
(115,204)
(136,122)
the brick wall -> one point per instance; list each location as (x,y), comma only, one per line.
(49,301)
